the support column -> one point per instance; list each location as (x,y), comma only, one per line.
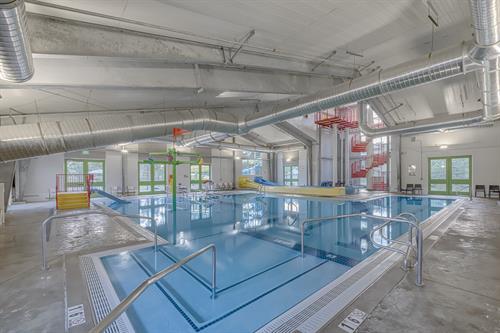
(335,164)
(347,157)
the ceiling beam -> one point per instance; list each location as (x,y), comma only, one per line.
(295,132)
(51,35)
(89,72)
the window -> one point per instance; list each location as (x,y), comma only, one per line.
(450,175)
(291,175)
(199,172)
(84,167)
(251,164)
(152,177)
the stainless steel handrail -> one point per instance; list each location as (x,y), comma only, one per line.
(117,311)
(420,246)
(420,252)
(87,212)
(336,217)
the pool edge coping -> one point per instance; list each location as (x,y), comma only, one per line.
(288,322)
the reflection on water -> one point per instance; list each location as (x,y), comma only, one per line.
(278,219)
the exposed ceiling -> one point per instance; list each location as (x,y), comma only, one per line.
(94,57)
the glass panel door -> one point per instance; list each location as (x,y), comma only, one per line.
(450,175)
(291,175)
(74,183)
(152,177)
(197,171)
(437,176)
(96,168)
(461,172)
(195,177)
(84,167)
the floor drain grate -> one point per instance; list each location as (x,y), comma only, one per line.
(100,303)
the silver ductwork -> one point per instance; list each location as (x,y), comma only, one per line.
(235,146)
(436,66)
(16,61)
(29,140)
(425,125)
(22,141)
(204,139)
(486,51)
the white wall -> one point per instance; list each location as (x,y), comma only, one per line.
(482,143)
(328,155)
(113,172)
(303,156)
(221,166)
(41,176)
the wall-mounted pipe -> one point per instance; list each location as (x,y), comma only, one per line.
(486,52)
(16,61)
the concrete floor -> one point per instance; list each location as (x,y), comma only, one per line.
(33,300)
(461,292)
(462,282)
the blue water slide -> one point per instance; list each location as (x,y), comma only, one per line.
(263,181)
(109,196)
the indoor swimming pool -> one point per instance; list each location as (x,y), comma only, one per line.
(260,270)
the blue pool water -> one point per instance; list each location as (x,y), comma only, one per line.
(260,272)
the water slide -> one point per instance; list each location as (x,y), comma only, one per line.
(109,196)
(263,181)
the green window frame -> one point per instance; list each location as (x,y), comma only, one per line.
(454,179)
(89,166)
(197,174)
(291,175)
(152,177)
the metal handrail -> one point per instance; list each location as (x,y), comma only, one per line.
(420,252)
(87,212)
(420,246)
(117,311)
(336,217)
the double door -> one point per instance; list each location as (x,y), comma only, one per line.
(450,175)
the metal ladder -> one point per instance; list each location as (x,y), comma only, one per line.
(125,303)
(407,218)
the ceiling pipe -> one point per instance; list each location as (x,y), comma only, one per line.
(425,125)
(203,139)
(486,52)
(236,146)
(29,140)
(16,61)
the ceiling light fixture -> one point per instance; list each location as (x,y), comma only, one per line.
(443,147)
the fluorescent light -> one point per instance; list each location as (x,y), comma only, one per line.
(443,147)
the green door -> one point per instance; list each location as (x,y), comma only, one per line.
(450,175)
(74,169)
(152,177)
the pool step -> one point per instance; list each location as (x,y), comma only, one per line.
(193,299)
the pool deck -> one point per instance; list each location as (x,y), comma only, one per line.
(461,292)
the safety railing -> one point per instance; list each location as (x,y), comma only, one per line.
(388,220)
(48,220)
(116,312)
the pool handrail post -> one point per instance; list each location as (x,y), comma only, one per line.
(120,308)
(412,224)
(48,220)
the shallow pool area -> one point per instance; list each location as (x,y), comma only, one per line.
(259,267)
